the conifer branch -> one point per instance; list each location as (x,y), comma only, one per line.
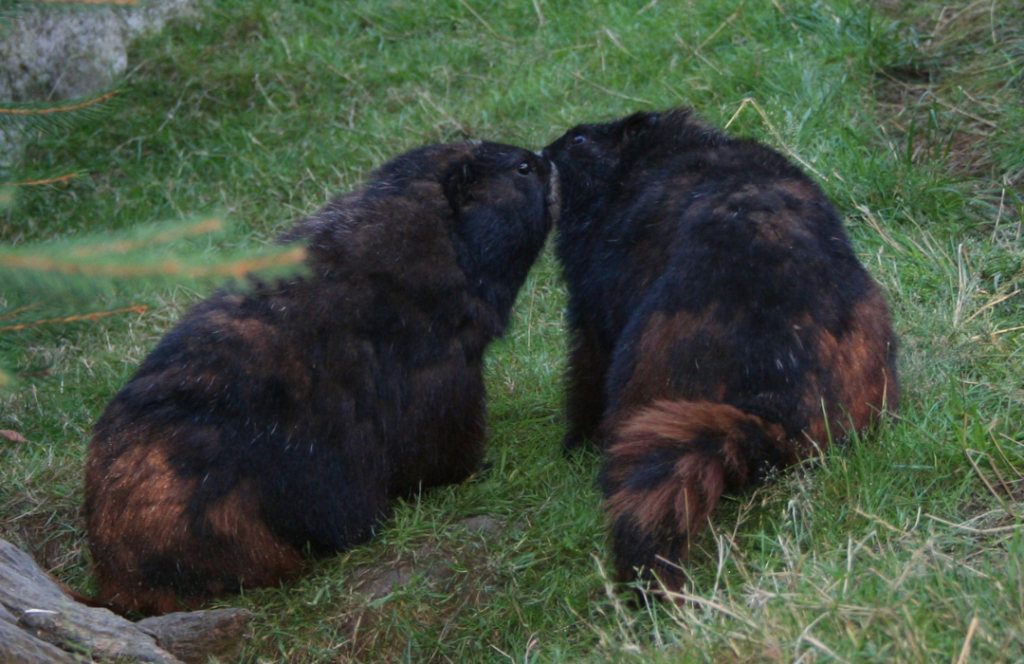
(172,234)
(94,2)
(32,183)
(20,310)
(94,316)
(241,268)
(57,109)
(238,268)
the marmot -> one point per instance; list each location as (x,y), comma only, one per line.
(720,324)
(281,421)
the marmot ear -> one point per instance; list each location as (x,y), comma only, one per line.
(637,123)
(454,182)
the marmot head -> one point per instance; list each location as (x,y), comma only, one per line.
(470,215)
(504,200)
(593,158)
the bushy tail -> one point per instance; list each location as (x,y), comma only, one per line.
(665,469)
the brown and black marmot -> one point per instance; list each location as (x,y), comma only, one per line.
(721,325)
(280,421)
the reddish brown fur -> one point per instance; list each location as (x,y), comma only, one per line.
(142,484)
(675,507)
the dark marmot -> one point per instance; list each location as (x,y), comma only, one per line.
(282,420)
(721,325)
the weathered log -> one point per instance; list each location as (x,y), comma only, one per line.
(194,636)
(39,622)
(19,646)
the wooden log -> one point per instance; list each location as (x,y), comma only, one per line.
(17,645)
(39,622)
(194,636)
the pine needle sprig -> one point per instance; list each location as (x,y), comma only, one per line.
(92,316)
(157,253)
(60,179)
(79,281)
(62,115)
(237,268)
(53,284)
(8,378)
(129,3)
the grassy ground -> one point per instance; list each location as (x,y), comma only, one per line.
(904,547)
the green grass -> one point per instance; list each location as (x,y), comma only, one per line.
(905,546)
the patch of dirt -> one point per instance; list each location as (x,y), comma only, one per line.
(939,98)
(456,576)
(431,566)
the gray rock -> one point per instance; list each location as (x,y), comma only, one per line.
(57,55)
(53,53)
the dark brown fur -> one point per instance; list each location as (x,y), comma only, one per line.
(282,421)
(721,325)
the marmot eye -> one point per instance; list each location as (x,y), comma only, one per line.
(524,168)
(579,139)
